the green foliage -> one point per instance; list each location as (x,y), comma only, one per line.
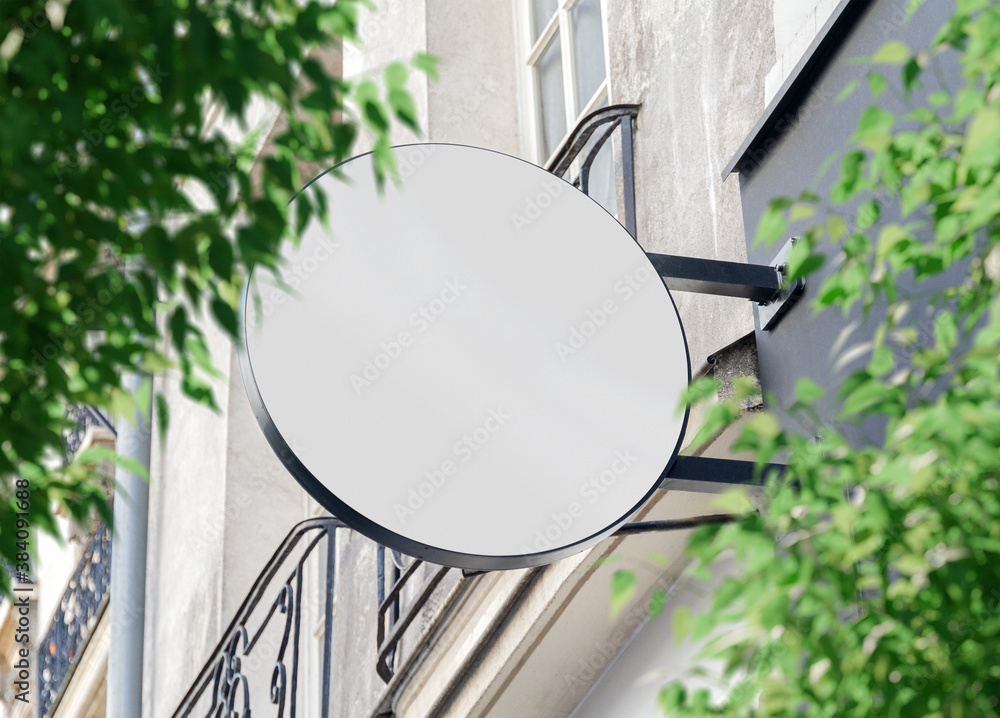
(623,585)
(870,585)
(103,105)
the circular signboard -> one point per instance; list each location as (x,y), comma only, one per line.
(477,366)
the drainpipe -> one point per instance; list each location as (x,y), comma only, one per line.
(128,562)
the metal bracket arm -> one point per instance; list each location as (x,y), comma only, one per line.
(701,474)
(756,282)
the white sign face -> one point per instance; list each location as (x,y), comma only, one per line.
(478,367)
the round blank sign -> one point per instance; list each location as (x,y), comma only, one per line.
(477,365)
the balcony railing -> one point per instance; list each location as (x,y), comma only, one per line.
(84,417)
(86,596)
(579,152)
(80,609)
(392,624)
(259,660)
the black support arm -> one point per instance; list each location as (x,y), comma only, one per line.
(756,282)
(698,473)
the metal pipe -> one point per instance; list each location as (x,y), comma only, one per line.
(128,562)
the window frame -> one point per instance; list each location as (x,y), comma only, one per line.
(530,52)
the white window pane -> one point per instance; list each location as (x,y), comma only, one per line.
(588,49)
(541,12)
(549,77)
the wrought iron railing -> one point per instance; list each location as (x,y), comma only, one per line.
(84,417)
(80,609)
(581,149)
(392,624)
(86,595)
(259,659)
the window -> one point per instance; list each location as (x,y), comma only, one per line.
(567,71)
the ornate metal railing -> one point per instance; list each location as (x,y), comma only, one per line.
(585,143)
(86,595)
(259,660)
(84,417)
(80,609)
(391,624)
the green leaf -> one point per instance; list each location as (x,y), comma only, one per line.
(225,315)
(719,417)
(697,391)
(848,90)
(945,331)
(97,454)
(396,75)
(889,237)
(773,225)
(801,211)
(882,362)
(657,600)
(911,75)
(427,64)
(405,109)
(220,257)
(864,397)
(671,697)
(877,83)
(875,120)
(893,52)
(623,585)
(807,391)
(984,129)
(681,624)
(802,261)
(162,416)
(734,501)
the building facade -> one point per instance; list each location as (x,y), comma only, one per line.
(255,596)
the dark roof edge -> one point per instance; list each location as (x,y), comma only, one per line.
(799,82)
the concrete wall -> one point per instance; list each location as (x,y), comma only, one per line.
(698,71)
(475,101)
(220,503)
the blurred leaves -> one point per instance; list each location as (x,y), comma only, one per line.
(121,217)
(870,582)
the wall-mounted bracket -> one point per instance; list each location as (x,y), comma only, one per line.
(709,476)
(756,282)
(772,312)
(759,283)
